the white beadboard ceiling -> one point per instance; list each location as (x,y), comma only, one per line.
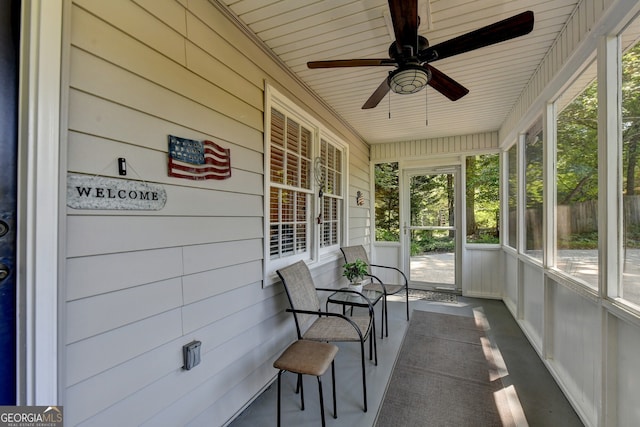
(298,31)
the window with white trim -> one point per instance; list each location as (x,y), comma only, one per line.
(512,196)
(576,179)
(629,159)
(330,179)
(290,186)
(533,152)
(305,169)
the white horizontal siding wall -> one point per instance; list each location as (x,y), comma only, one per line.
(428,148)
(359,181)
(141,284)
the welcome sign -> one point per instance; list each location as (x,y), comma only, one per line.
(100,192)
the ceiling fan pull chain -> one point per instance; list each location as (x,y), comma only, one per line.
(426,108)
(389,95)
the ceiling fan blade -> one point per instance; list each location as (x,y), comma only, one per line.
(351,63)
(446,85)
(377,95)
(404,15)
(507,29)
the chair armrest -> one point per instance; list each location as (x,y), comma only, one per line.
(330,314)
(404,277)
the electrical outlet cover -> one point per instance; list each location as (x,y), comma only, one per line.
(191,354)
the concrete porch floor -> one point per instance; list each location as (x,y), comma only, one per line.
(538,399)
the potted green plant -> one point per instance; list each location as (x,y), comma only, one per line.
(355,272)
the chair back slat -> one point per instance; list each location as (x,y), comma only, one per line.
(301,292)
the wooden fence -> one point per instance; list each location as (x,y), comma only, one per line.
(579,218)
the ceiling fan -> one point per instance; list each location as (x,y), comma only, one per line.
(411,54)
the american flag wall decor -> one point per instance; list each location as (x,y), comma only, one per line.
(198,160)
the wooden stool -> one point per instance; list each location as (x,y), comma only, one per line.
(305,357)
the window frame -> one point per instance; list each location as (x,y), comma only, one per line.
(314,253)
(523,197)
(465,179)
(510,232)
(590,65)
(374,192)
(614,49)
(330,139)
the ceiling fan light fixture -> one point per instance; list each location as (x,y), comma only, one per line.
(409,79)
